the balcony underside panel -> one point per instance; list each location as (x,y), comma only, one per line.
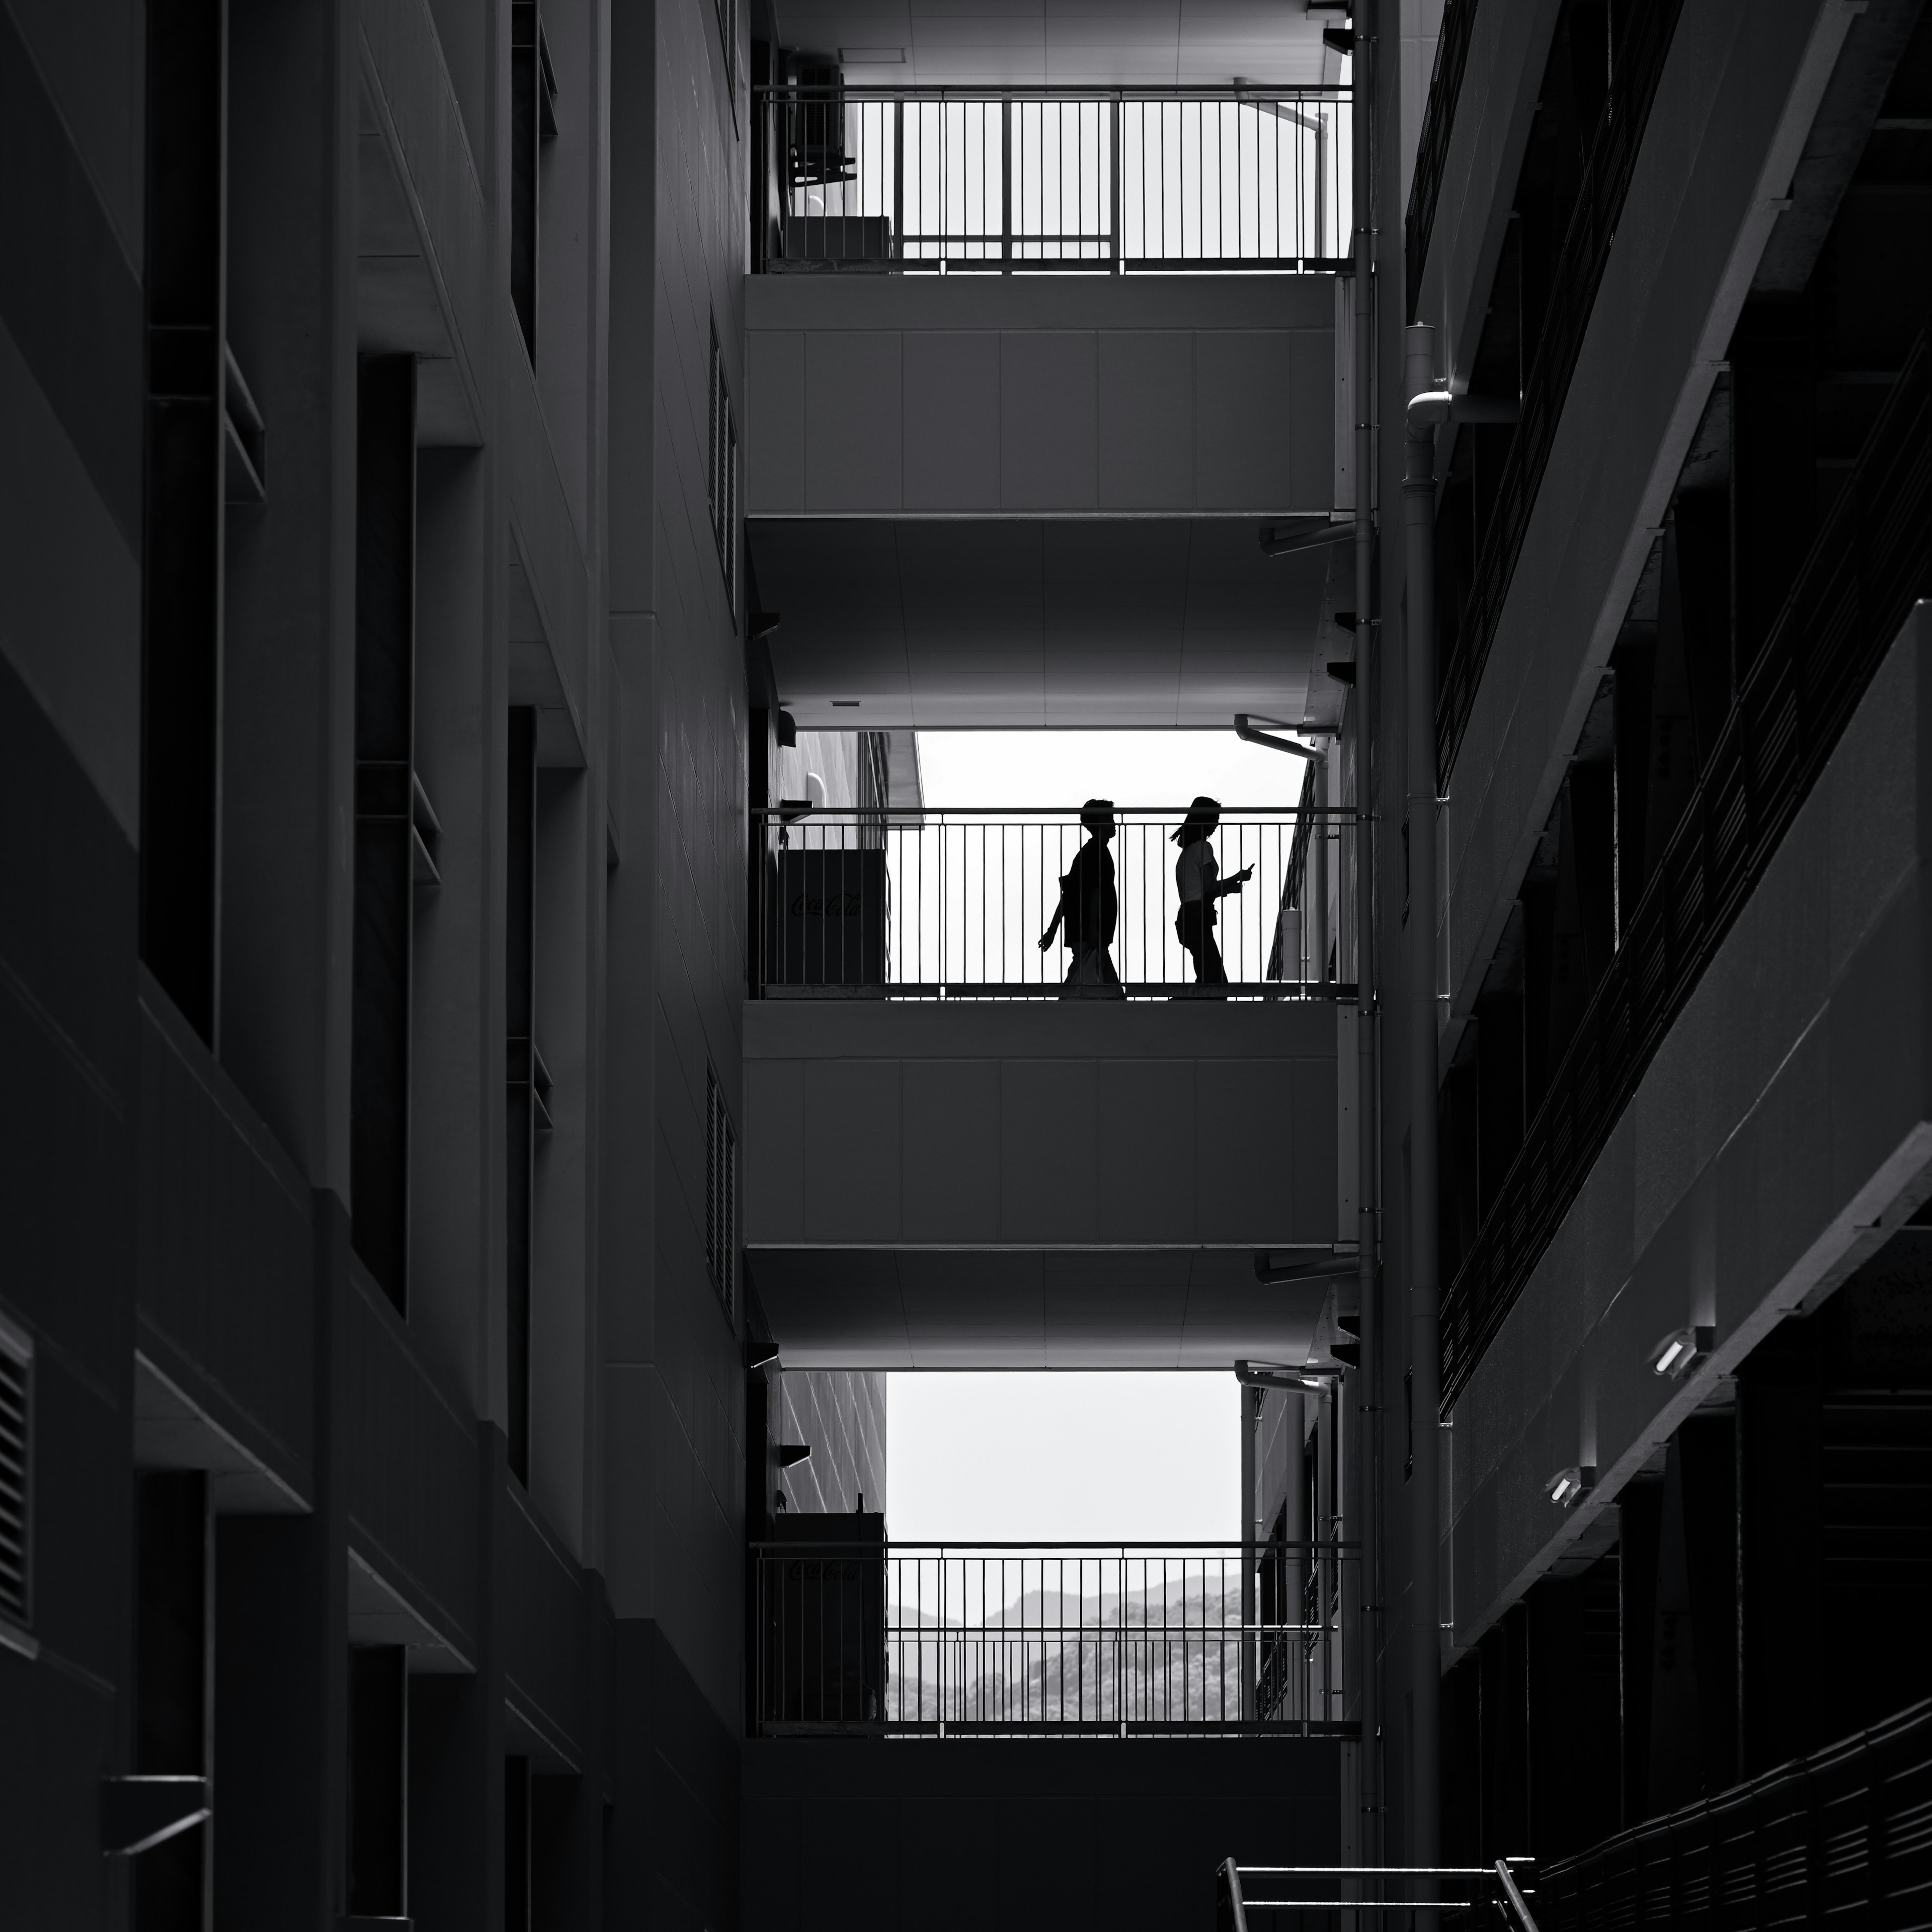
(987,1309)
(980,1183)
(974,622)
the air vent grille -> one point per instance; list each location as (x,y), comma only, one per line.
(15,1391)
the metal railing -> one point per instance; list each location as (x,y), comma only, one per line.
(1841,1837)
(1466,1895)
(953,904)
(1467,632)
(1432,148)
(1871,562)
(1054,1640)
(1109,180)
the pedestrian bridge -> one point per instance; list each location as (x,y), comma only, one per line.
(981,1183)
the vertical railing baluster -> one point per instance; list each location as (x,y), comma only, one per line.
(1006,184)
(1121,185)
(897,249)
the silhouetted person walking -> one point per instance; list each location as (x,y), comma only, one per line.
(1198,881)
(1089,910)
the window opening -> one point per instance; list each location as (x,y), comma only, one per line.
(721,1195)
(722,474)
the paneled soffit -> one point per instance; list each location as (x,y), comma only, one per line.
(1170,1309)
(1063,43)
(1155,623)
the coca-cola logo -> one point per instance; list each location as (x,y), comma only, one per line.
(830,905)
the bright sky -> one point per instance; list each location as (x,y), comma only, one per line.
(1023,1457)
(1132,768)
(1028,1457)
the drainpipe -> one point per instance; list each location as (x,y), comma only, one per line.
(1428,405)
(1251,1403)
(1364,1507)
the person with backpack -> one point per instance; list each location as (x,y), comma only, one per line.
(1089,910)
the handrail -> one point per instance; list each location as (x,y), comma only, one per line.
(1578,274)
(1432,149)
(1055,1545)
(928,903)
(1471,1884)
(1670,1871)
(792,811)
(1108,180)
(1046,1639)
(1243,90)
(1524,1921)
(1871,561)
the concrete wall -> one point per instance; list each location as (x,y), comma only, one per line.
(1029,1834)
(1783,1130)
(967,1124)
(671,1381)
(1509,47)
(841,1417)
(179,1208)
(1039,395)
(1733,106)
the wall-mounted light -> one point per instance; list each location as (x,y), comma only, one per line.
(1281,1375)
(791,1454)
(1679,1353)
(1432,407)
(1568,1487)
(760,1353)
(1283,540)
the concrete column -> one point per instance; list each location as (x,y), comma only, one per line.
(629,1152)
(282,1666)
(456,1205)
(456,1747)
(1361,1647)
(288,728)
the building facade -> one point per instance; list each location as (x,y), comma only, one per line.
(1666,261)
(491,493)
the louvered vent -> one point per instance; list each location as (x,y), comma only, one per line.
(721,1195)
(16,1386)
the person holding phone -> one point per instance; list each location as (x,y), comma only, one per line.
(1198,881)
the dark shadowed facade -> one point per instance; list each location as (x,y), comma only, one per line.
(502,1059)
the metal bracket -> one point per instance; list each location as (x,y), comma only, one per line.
(140,1812)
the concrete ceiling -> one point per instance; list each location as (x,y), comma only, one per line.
(1063,43)
(870,1309)
(959,624)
